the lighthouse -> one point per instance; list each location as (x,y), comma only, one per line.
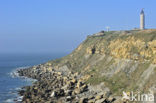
(142,20)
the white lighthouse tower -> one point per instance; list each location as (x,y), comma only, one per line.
(142,20)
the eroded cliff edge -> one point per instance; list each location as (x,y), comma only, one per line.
(99,70)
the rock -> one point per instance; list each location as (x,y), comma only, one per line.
(75,74)
(65,79)
(91,101)
(48,102)
(73,81)
(83,100)
(59,73)
(118,101)
(91,97)
(112,99)
(36,88)
(98,97)
(77,91)
(53,94)
(84,87)
(68,98)
(49,69)
(154,61)
(60,92)
(65,87)
(21,92)
(68,92)
(101,100)
(79,84)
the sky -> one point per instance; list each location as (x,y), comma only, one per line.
(50,26)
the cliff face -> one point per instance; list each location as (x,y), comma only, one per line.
(130,47)
(122,60)
(110,62)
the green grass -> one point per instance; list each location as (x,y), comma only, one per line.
(96,80)
(119,81)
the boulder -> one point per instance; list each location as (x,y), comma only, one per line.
(98,97)
(79,84)
(91,101)
(53,94)
(73,81)
(68,98)
(77,91)
(68,92)
(101,101)
(83,100)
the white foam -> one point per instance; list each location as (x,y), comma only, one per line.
(15,74)
(19,99)
(17,88)
(9,101)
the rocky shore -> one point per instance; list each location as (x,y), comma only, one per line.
(98,71)
(60,87)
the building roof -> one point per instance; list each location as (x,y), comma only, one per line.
(142,11)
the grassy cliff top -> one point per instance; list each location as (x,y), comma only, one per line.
(122,60)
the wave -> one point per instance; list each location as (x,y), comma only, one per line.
(13,100)
(15,74)
(19,99)
(9,101)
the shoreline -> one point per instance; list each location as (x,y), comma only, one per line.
(53,86)
(15,74)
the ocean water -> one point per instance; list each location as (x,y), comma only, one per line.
(9,63)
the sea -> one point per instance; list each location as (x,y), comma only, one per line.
(10,82)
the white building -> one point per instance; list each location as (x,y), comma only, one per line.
(142,20)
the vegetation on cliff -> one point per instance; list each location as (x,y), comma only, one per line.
(112,62)
(118,58)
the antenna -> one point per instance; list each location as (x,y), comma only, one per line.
(107,28)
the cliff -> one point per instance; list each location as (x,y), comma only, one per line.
(115,55)
(114,62)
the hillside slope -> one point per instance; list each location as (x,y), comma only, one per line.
(124,60)
(114,61)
